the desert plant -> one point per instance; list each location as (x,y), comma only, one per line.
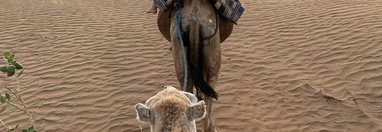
(14,69)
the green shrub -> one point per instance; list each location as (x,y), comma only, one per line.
(14,69)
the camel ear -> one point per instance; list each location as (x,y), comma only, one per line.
(191,96)
(143,113)
(197,111)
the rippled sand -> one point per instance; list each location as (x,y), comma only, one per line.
(290,65)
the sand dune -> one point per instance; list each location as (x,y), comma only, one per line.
(289,65)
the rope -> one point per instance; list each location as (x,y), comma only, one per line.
(216,28)
(180,38)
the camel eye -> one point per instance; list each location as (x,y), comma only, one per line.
(199,108)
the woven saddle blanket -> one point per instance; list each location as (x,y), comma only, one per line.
(230,9)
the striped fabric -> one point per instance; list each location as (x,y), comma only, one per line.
(161,4)
(231,9)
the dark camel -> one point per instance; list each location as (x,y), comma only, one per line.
(200,24)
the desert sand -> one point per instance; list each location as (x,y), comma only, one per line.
(289,65)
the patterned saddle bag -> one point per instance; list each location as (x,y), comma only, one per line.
(230,9)
(161,4)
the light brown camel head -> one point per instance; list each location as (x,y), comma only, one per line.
(171,110)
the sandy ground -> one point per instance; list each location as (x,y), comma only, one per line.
(290,65)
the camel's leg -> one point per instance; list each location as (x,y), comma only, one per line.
(199,94)
(179,67)
(211,67)
(190,87)
(208,122)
